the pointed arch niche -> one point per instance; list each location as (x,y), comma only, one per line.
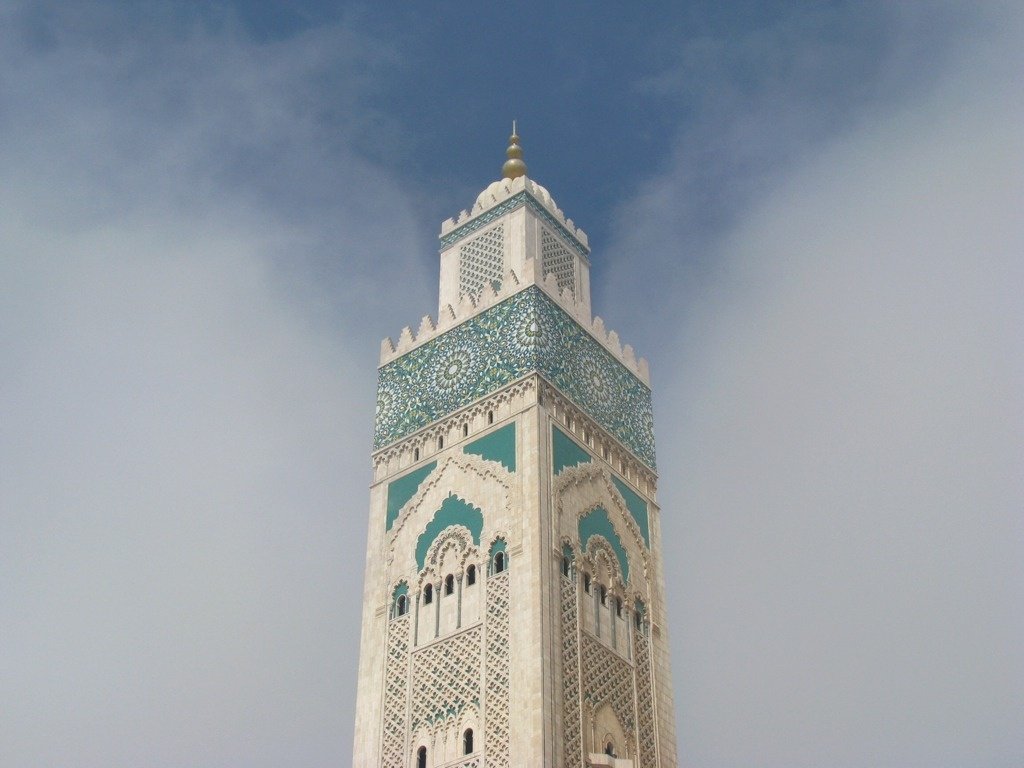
(588,503)
(481,504)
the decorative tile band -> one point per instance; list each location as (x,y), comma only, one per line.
(526,333)
(517,200)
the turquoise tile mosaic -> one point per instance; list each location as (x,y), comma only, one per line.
(525,333)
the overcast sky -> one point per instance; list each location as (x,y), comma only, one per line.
(808,220)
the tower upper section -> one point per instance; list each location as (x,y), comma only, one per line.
(513,221)
(514,301)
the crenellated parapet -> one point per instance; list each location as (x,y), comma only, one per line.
(455,362)
(495,201)
(470,306)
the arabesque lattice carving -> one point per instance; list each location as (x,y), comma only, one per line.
(646,737)
(446,678)
(607,677)
(482,261)
(396,676)
(496,692)
(557,260)
(571,723)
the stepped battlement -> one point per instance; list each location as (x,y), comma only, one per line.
(504,189)
(471,306)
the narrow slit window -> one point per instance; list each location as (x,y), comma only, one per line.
(471,576)
(428,594)
(449,584)
(586,583)
(421,757)
(467,742)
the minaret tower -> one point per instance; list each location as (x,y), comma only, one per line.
(514,603)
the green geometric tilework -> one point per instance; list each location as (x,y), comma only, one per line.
(499,445)
(524,333)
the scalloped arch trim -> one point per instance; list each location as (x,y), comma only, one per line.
(565,452)
(453,511)
(637,508)
(499,445)
(596,522)
(403,489)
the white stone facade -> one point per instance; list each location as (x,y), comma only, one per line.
(513,607)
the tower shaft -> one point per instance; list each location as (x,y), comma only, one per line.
(513,608)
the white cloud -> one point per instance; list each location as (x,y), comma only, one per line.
(185,378)
(185,250)
(848,420)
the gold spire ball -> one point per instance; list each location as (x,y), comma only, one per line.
(514,167)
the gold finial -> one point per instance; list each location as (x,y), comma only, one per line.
(514,167)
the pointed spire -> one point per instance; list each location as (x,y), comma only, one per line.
(514,167)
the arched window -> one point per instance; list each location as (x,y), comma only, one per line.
(490,417)
(586,583)
(440,443)
(498,561)
(421,757)
(609,749)
(400,600)
(428,594)
(604,595)
(449,584)
(465,430)
(567,556)
(471,576)
(565,565)
(416,454)
(467,742)
(618,607)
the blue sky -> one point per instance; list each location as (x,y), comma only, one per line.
(806,218)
